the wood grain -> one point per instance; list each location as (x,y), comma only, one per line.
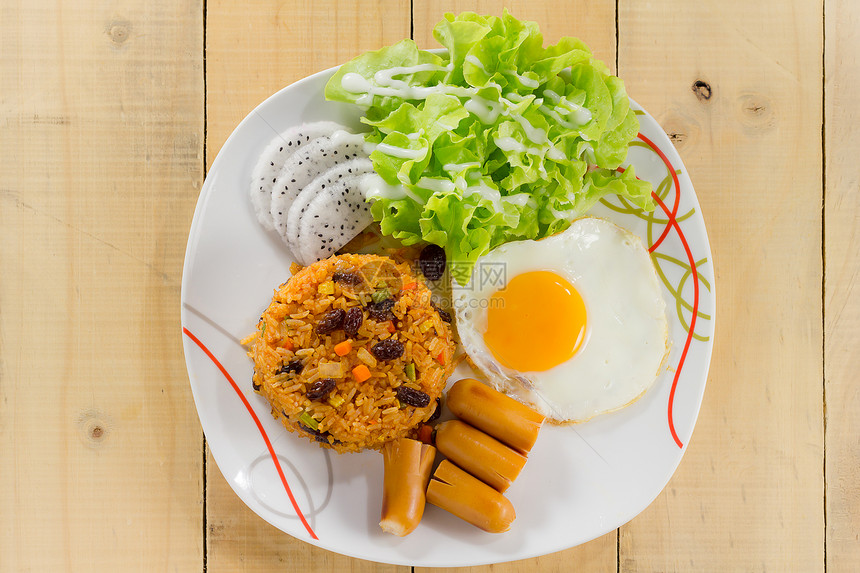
(252,51)
(842,285)
(101,164)
(101,160)
(555,21)
(256,48)
(748,493)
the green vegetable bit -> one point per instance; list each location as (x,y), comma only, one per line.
(410,371)
(309,421)
(380,295)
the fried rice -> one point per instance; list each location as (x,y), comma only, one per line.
(295,356)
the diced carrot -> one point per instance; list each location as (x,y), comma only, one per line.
(343,348)
(391,328)
(425,434)
(440,358)
(288,344)
(361,373)
(410,286)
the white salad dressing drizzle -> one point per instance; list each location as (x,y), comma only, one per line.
(375,187)
(458,167)
(526,82)
(581,114)
(519,199)
(472,59)
(386,83)
(486,192)
(401,152)
(436,184)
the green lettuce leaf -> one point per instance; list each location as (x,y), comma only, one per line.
(500,139)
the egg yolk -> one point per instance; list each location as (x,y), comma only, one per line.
(536,322)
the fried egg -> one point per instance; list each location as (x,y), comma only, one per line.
(573,325)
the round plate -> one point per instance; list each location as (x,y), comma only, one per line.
(580,481)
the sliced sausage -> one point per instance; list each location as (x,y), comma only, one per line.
(498,415)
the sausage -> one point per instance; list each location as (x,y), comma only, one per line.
(481,455)
(470,499)
(500,416)
(407,465)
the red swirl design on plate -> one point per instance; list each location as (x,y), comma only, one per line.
(259,427)
(674,223)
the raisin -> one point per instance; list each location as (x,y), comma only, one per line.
(331,321)
(256,386)
(352,321)
(388,349)
(437,412)
(444,315)
(322,437)
(432,262)
(344,278)
(321,388)
(412,397)
(381,311)
(292,366)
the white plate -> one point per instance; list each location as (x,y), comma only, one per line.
(580,481)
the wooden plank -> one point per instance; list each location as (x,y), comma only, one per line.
(252,51)
(842,285)
(748,494)
(255,49)
(101,163)
(555,21)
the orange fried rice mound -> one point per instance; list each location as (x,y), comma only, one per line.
(344,385)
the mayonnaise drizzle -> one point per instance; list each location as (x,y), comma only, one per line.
(386,83)
(375,187)
(458,167)
(401,152)
(472,59)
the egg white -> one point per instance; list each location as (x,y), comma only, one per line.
(627,331)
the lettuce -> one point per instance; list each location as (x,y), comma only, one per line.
(500,139)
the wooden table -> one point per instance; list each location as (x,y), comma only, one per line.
(111,113)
